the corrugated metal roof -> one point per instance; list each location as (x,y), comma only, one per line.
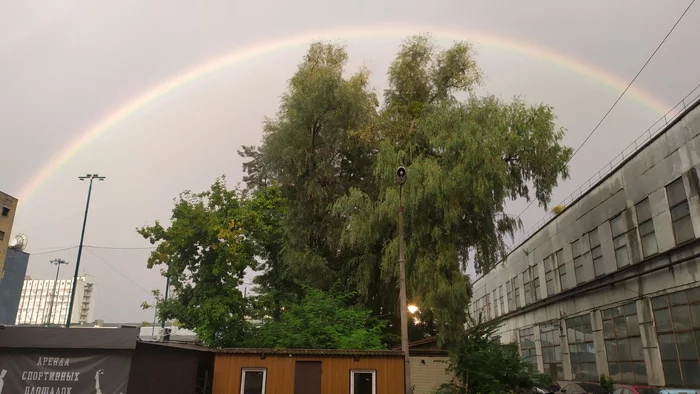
(294,352)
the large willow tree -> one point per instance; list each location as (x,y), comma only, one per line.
(333,152)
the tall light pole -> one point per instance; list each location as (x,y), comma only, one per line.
(401,177)
(91,177)
(58,263)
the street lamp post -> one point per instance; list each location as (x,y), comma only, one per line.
(91,177)
(58,263)
(401,177)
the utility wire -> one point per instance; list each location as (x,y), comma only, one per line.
(62,248)
(120,273)
(621,95)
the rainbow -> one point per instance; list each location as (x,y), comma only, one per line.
(141,100)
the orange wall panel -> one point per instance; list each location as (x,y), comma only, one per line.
(335,372)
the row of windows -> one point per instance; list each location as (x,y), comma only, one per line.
(622,230)
(676,318)
(254,381)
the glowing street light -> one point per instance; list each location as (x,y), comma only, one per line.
(413,309)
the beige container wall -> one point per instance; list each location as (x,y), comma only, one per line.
(428,373)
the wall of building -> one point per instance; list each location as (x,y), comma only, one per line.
(8,206)
(601,265)
(428,373)
(36,306)
(335,377)
(11,282)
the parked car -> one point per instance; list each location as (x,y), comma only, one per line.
(583,388)
(637,390)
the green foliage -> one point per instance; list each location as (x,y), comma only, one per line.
(465,160)
(205,252)
(321,203)
(320,321)
(606,383)
(482,365)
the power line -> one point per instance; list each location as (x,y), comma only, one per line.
(120,248)
(62,248)
(120,273)
(54,251)
(621,95)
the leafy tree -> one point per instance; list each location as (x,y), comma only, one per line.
(320,321)
(465,160)
(212,240)
(482,365)
(315,149)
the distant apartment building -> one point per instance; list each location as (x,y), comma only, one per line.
(12,277)
(41,304)
(8,205)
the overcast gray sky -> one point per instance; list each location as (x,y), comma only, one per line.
(66,65)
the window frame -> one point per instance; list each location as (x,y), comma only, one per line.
(552,326)
(495,303)
(643,221)
(536,286)
(516,295)
(527,281)
(253,369)
(561,265)
(621,236)
(549,275)
(531,349)
(5,211)
(578,261)
(509,296)
(665,303)
(609,317)
(370,371)
(574,343)
(501,301)
(596,248)
(676,205)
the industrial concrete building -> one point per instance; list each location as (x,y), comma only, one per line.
(40,305)
(610,285)
(8,206)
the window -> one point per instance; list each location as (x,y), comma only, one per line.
(527,286)
(5,211)
(551,350)
(500,300)
(581,349)
(561,266)
(363,382)
(618,226)
(677,320)
(487,308)
(516,290)
(2,235)
(494,297)
(253,380)
(578,261)
(549,274)
(596,253)
(646,228)
(623,344)
(509,296)
(535,274)
(527,348)
(680,211)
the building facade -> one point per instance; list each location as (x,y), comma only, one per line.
(611,284)
(39,303)
(8,206)
(11,282)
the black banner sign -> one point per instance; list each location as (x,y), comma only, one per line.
(57,372)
